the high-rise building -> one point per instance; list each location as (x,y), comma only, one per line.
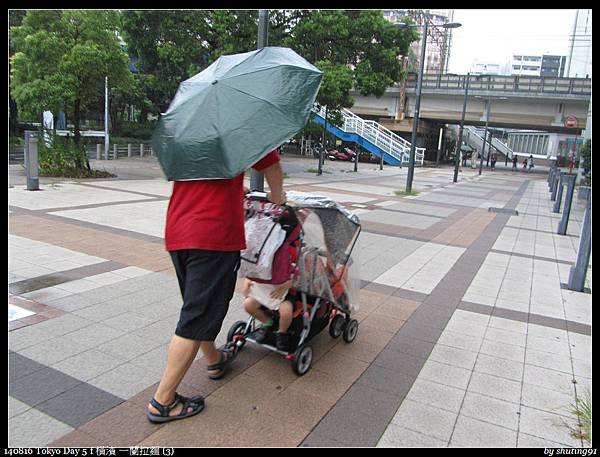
(579,61)
(438,41)
(553,66)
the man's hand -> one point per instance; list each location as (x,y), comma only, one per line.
(274,177)
(278,199)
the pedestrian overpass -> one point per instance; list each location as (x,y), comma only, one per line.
(372,136)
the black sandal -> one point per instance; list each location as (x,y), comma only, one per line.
(196,403)
(227,356)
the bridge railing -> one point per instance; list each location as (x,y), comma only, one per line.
(523,84)
(383,138)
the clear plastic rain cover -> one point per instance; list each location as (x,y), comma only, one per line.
(327,261)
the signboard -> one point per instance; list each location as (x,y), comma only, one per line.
(338,142)
(571,122)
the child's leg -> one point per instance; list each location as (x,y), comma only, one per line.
(253,308)
(285,316)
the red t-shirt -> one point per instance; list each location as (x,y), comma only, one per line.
(209,214)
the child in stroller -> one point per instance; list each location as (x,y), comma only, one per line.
(276,299)
(312,292)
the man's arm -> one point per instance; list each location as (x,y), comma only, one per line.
(274,176)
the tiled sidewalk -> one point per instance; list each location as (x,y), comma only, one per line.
(468,336)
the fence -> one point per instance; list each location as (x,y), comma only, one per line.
(94,152)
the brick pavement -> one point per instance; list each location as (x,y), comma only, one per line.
(466,336)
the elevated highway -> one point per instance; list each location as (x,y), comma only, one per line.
(538,103)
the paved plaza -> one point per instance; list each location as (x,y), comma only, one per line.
(468,336)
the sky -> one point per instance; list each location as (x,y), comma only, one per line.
(495,35)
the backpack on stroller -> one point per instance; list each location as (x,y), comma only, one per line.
(326,281)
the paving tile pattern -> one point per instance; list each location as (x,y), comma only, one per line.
(449,352)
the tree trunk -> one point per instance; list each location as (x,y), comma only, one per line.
(77,121)
(82,159)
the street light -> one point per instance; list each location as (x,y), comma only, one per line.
(487,118)
(257,179)
(462,126)
(411,163)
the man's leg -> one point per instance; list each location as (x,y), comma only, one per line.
(180,356)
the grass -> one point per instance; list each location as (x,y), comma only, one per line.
(315,170)
(403,193)
(582,409)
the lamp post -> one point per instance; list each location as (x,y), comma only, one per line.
(411,162)
(462,126)
(257,179)
(488,101)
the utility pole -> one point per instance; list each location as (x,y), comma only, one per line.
(106,138)
(411,160)
(462,126)
(487,118)
(257,179)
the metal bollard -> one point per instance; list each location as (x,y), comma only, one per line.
(550,176)
(31,160)
(564,222)
(98,151)
(141,149)
(555,185)
(115,152)
(129,150)
(558,200)
(578,271)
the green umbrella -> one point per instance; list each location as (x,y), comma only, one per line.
(227,117)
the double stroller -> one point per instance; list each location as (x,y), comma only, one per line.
(326,280)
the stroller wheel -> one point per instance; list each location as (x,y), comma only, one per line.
(235,332)
(350,331)
(336,326)
(302,360)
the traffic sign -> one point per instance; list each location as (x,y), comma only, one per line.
(571,122)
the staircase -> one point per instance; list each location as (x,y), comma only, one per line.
(372,136)
(472,136)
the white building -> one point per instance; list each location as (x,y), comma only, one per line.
(579,60)
(526,65)
(486,68)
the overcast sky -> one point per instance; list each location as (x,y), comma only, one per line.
(495,35)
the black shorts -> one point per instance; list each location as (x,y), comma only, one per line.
(207,282)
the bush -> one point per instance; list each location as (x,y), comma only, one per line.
(65,158)
(586,156)
(138,131)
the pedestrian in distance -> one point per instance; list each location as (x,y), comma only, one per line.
(204,235)
(515,159)
(493,159)
(530,164)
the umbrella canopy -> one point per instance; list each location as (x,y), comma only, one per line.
(227,117)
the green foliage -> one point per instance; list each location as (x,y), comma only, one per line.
(64,56)
(582,409)
(586,156)
(403,193)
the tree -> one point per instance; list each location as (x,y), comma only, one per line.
(355,49)
(65,56)
(175,45)
(586,159)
